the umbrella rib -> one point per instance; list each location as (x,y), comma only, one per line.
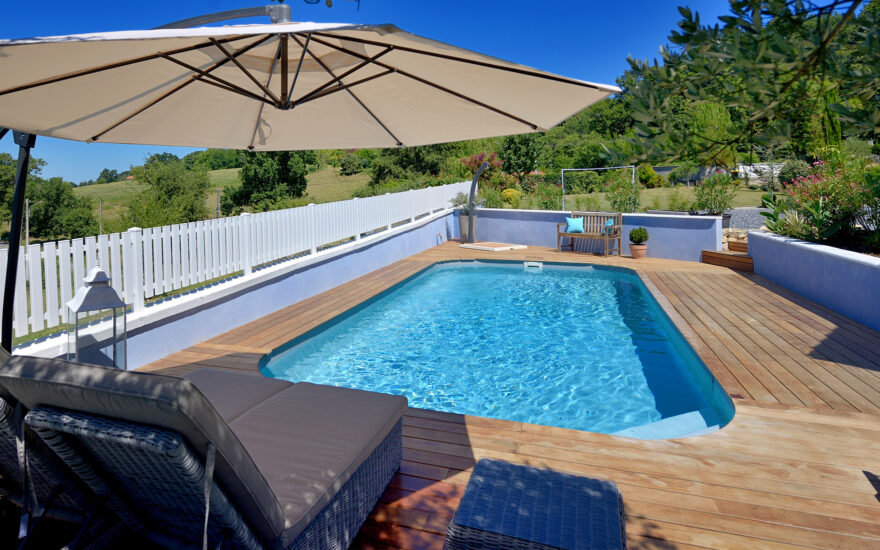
(181,86)
(225,84)
(302,58)
(284,69)
(93,70)
(352,94)
(263,105)
(555,78)
(247,73)
(427,82)
(343,87)
(358,67)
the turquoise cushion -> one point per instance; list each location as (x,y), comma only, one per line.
(609,226)
(575,225)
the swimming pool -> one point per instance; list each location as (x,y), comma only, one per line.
(582,347)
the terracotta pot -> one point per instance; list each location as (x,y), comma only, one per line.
(638,250)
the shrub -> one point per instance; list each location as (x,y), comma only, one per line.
(549,196)
(715,194)
(492,197)
(829,199)
(473,163)
(684,172)
(639,235)
(350,165)
(623,194)
(582,182)
(589,203)
(677,201)
(511,197)
(649,178)
(792,170)
(869,216)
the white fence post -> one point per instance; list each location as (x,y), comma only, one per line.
(313,229)
(133,269)
(245,247)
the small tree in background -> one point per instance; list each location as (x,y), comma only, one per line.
(173,194)
(57,212)
(8,166)
(107,176)
(268,181)
(519,154)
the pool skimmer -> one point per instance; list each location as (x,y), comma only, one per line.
(533,266)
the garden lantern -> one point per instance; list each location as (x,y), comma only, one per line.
(94,296)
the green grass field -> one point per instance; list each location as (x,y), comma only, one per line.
(325,185)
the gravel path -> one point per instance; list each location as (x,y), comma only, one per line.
(747,218)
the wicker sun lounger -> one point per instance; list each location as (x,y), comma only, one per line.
(284,465)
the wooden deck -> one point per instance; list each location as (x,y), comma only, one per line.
(799,465)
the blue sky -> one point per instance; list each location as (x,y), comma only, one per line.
(585,39)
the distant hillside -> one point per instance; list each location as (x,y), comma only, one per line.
(324,186)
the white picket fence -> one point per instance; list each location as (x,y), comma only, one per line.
(144,263)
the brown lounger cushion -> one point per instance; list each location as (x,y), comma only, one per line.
(153,399)
(233,393)
(307,462)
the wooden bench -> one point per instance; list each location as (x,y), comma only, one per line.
(594,228)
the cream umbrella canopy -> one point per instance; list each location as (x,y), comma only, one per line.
(282,86)
(275,87)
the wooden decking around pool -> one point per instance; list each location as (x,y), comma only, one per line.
(799,465)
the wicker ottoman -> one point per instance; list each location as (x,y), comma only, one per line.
(518,507)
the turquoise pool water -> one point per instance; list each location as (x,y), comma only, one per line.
(577,347)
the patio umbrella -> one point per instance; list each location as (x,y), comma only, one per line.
(275,87)
(283,86)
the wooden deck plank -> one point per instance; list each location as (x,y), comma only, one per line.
(795,468)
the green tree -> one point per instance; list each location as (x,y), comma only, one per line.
(268,181)
(761,61)
(173,195)
(8,167)
(519,155)
(214,159)
(57,212)
(107,176)
(161,158)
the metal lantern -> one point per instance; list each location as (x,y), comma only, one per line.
(94,296)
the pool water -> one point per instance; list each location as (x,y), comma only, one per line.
(577,347)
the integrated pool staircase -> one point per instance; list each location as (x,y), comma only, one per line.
(736,257)
(687,424)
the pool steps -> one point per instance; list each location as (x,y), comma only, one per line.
(688,424)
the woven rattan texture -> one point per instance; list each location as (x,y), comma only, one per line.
(46,471)
(148,467)
(337,524)
(522,508)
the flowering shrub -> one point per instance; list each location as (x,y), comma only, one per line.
(623,194)
(829,198)
(474,162)
(836,200)
(549,196)
(511,197)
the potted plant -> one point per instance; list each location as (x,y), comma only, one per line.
(460,203)
(715,195)
(637,238)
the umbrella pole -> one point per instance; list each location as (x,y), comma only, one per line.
(25,143)
(471,201)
